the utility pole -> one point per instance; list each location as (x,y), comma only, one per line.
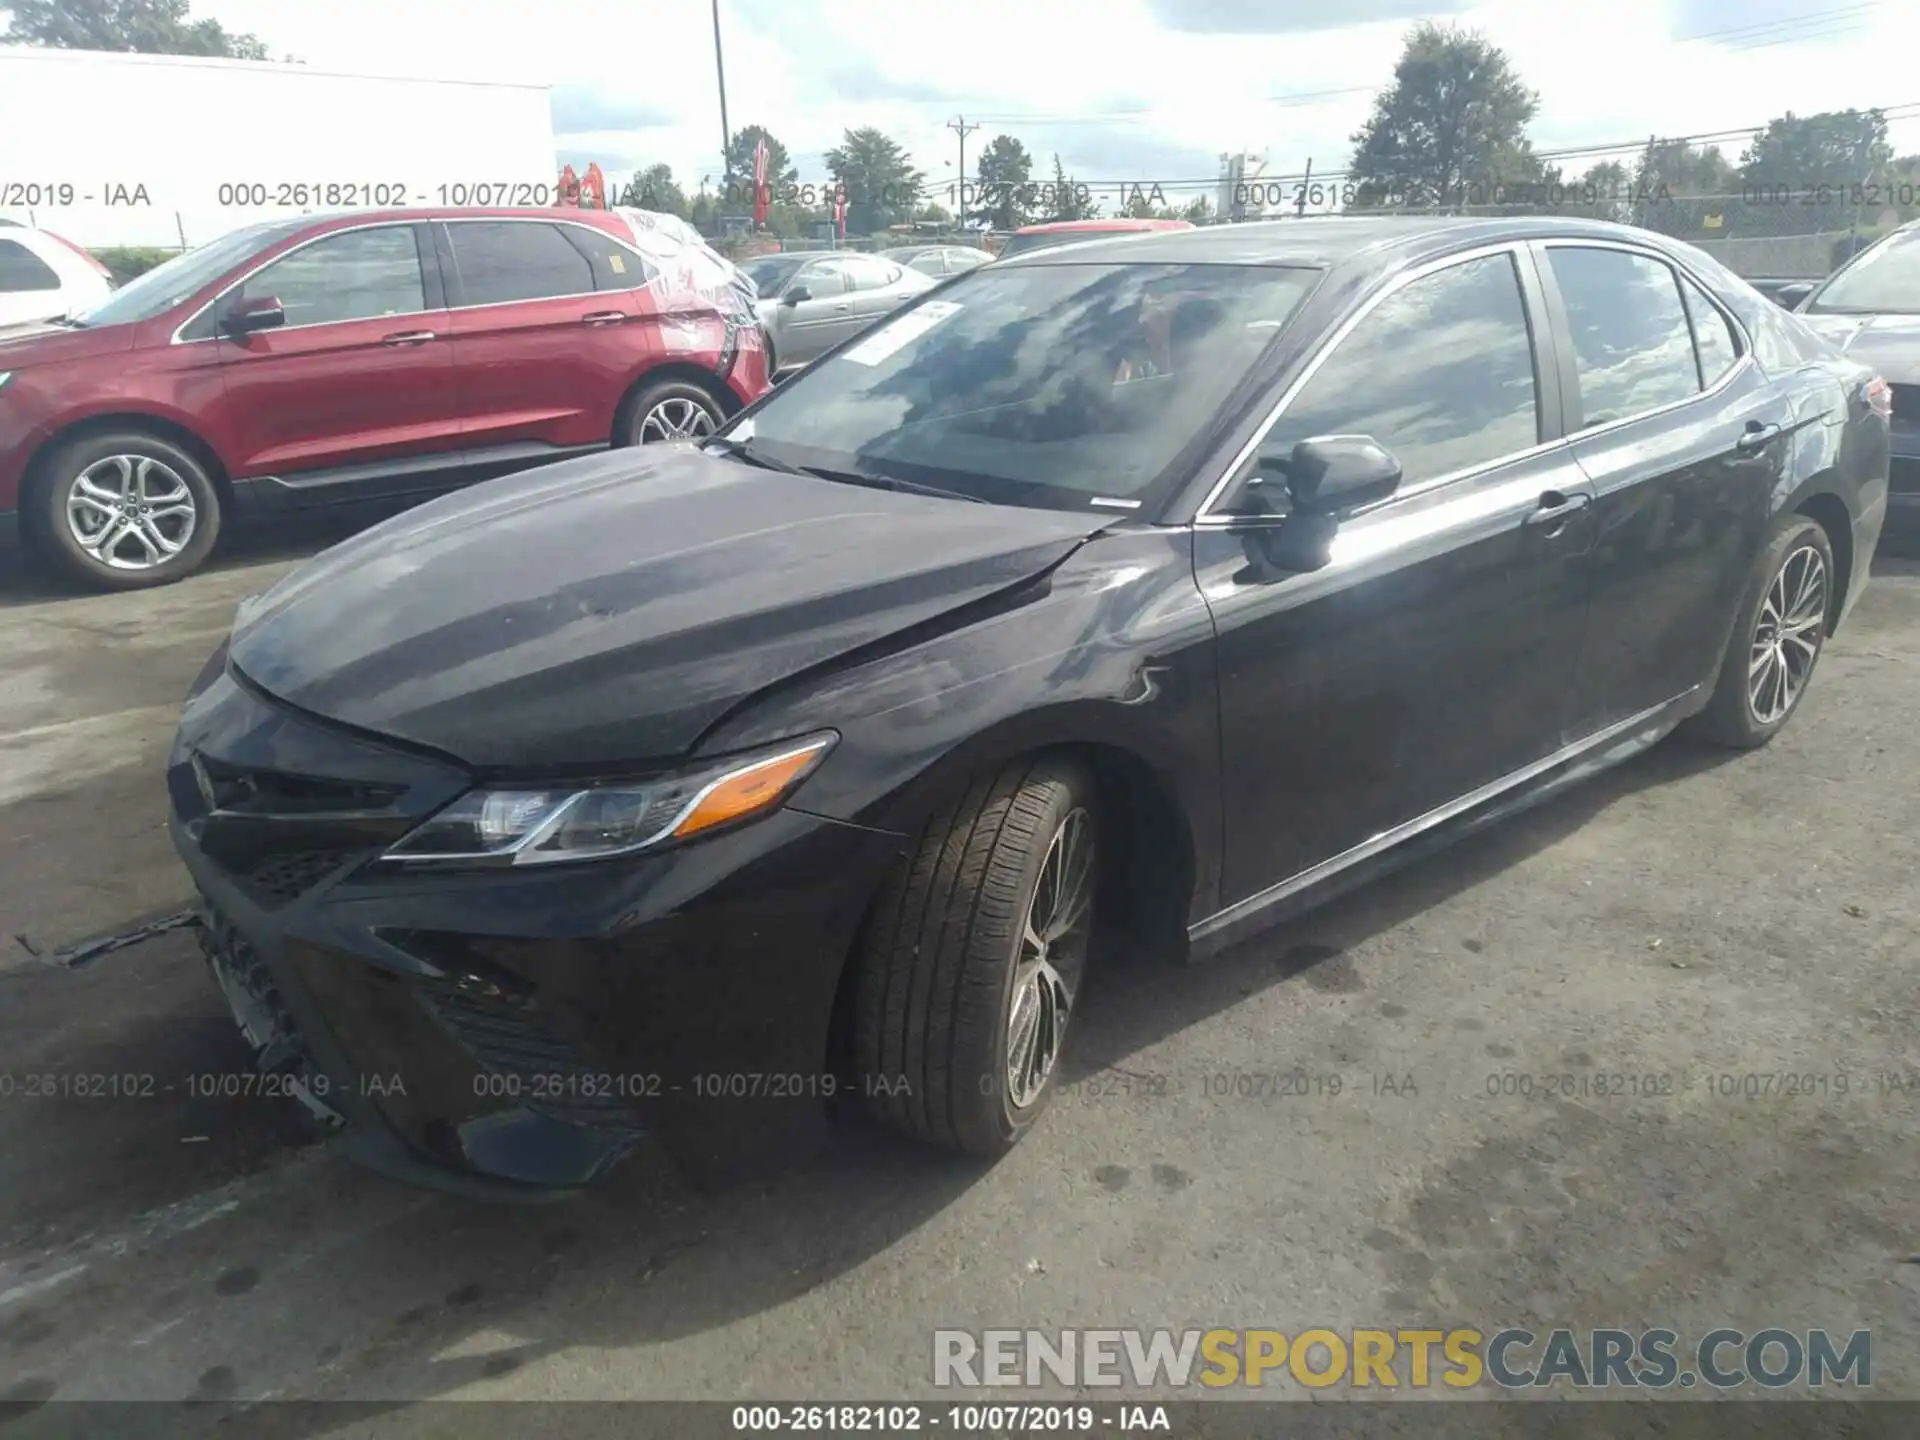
(960,127)
(1300,210)
(726,131)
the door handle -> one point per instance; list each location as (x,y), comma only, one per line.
(603,317)
(408,337)
(1556,508)
(842,309)
(1757,436)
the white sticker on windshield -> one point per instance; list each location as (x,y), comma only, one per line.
(892,336)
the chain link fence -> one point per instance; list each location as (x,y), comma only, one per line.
(1761,232)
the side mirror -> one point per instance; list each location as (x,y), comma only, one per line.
(1321,476)
(1791,295)
(796,295)
(262,313)
(1329,473)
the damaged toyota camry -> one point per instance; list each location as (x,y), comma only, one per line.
(1151,588)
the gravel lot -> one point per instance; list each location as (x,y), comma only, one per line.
(1689,915)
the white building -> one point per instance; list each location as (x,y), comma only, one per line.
(165,150)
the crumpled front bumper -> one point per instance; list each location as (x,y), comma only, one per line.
(505,1033)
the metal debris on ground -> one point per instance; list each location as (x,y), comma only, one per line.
(85,952)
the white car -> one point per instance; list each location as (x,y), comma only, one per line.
(43,277)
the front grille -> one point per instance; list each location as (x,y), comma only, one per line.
(243,790)
(1906,402)
(507,1036)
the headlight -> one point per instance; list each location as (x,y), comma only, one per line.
(529,826)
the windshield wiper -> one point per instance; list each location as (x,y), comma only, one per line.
(889,482)
(67,320)
(743,450)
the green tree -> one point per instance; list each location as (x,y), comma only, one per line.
(1002,199)
(883,187)
(1451,129)
(1199,210)
(654,188)
(148,27)
(1841,148)
(1070,201)
(780,167)
(1671,169)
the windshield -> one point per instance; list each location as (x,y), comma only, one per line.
(1883,280)
(1054,385)
(166,285)
(770,272)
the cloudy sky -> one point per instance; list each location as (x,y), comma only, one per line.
(1135,91)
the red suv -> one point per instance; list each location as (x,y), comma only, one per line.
(355,357)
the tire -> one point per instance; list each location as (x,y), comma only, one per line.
(650,415)
(181,508)
(1743,715)
(942,950)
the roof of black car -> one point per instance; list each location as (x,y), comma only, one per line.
(1322,241)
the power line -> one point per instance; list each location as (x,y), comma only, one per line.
(1781,22)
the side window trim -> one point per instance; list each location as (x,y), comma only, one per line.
(1557,310)
(1547,407)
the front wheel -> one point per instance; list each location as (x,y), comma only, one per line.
(124,510)
(668,410)
(1777,639)
(974,958)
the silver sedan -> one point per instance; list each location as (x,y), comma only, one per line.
(810,302)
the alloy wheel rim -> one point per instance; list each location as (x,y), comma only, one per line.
(1051,953)
(131,512)
(1787,635)
(676,419)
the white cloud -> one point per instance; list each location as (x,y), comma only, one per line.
(809,69)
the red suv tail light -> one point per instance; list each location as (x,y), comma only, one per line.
(1880,397)
(104,272)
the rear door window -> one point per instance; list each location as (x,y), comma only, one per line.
(1632,345)
(502,261)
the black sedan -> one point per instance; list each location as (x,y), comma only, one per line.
(1157,587)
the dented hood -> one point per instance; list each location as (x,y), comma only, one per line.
(611,609)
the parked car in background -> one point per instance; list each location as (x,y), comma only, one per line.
(364,356)
(1065,232)
(1870,308)
(1157,589)
(43,275)
(811,301)
(939,261)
